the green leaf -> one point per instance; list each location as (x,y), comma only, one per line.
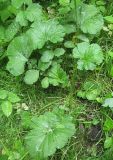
(108,142)
(50,132)
(91,90)
(19,3)
(34,13)
(11,31)
(110,53)
(69,28)
(111,71)
(31,76)
(21,18)
(69,44)
(42,32)
(18,51)
(108,125)
(88,55)
(16,64)
(43,66)
(64,2)
(59,52)
(109,19)
(6,108)
(83,37)
(20,46)
(25,119)
(89,19)
(2,33)
(45,82)
(81,94)
(63,10)
(13,98)
(57,76)
(47,56)
(92,95)
(5,14)
(100,2)
(3,94)
(108,103)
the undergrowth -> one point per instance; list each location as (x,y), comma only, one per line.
(56,94)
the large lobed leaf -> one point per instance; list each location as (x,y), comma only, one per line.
(50,131)
(88,55)
(34,12)
(20,49)
(90,20)
(42,32)
(18,52)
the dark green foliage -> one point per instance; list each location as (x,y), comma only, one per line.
(57,56)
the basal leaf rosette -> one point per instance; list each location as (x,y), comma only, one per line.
(50,132)
(21,47)
(89,55)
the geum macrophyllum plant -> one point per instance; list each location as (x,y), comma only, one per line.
(49,132)
(33,48)
(35,44)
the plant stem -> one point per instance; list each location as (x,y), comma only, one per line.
(74,74)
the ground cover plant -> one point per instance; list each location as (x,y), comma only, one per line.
(56,70)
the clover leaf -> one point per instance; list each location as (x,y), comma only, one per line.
(50,131)
(88,55)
